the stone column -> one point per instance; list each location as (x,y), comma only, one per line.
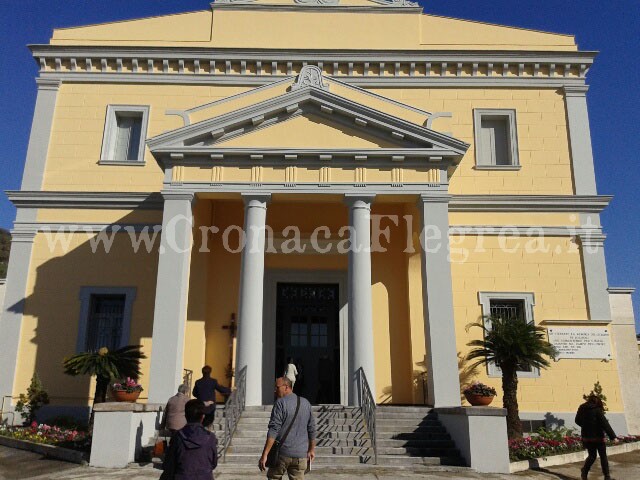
(584,179)
(361,354)
(14,299)
(595,276)
(172,289)
(250,303)
(437,300)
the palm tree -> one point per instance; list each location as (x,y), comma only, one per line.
(512,344)
(105,365)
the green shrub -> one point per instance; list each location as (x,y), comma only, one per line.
(29,404)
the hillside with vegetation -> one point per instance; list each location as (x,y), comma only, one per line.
(5,246)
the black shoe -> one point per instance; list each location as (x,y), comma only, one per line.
(583,474)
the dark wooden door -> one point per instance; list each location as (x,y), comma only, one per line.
(308,329)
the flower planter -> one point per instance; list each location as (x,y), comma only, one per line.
(478,400)
(124,396)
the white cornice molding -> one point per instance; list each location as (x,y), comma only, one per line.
(80,200)
(321,6)
(245,66)
(621,290)
(525,203)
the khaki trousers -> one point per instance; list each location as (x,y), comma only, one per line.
(294,467)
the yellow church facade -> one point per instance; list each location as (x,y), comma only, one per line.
(346,183)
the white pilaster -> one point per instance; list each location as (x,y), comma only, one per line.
(437,300)
(361,353)
(595,276)
(584,178)
(40,134)
(249,335)
(172,289)
(14,299)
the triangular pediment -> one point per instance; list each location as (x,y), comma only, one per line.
(306,116)
(309,130)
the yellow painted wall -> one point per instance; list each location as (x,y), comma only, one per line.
(313,29)
(79,120)
(78,128)
(52,308)
(556,279)
(543,143)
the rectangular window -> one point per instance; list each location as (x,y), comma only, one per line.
(496,139)
(124,135)
(512,310)
(104,328)
(516,307)
(105,317)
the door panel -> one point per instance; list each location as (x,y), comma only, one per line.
(307,329)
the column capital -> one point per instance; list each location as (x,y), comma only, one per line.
(256,200)
(48,84)
(431,198)
(575,90)
(23,235)
(359,200)
(591,239)
(168,196)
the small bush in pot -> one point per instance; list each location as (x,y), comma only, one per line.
(479,394)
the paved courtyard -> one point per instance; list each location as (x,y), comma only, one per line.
(17,464)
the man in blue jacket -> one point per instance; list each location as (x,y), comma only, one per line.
(205,390)
(193,453)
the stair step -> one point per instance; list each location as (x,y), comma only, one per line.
(403,460)
(416,443)
(320,451)
(252,459)
(410,428)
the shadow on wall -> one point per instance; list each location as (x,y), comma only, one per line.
(52,310)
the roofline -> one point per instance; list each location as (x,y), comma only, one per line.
(111,51)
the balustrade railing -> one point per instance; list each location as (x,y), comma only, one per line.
(233,408)
(368,407)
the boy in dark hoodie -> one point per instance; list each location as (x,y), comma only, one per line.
(193,453)
(594,425)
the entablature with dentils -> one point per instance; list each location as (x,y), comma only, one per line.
(365,68)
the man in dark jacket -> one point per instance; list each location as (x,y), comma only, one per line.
(594,425)
(205,390)
(193,453)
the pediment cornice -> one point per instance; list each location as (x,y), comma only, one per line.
(204,138)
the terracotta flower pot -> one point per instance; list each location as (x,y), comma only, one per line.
(124,396)
(478,400)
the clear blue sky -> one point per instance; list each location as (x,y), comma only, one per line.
(611,27)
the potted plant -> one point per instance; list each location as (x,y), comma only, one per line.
(126,391)
(479,394)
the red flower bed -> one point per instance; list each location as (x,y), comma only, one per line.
(547,444)
(50,435)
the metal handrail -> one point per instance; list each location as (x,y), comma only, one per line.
(368,407)
(233,408)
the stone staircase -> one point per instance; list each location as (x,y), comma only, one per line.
(407,436)
(413,436)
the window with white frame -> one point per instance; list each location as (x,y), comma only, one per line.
(125,134)
(105,317)
(496,139)
(515,307)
